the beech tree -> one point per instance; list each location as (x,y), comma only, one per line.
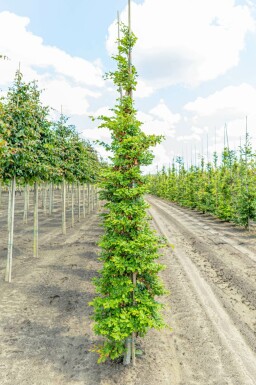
(226,190)
(126,304)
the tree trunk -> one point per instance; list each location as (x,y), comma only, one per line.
(64,227)
(50,198)
(88,196)
(36,220)
(128,351)
(84,201)
(28,197)
(11,207)
(79,202)
(72,206)
(25,214)
(45,198)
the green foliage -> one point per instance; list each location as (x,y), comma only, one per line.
(128,282)
(226,190)
(20,129)
(32,148)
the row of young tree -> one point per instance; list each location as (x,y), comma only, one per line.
(33,148)
(224,187)
(36,151)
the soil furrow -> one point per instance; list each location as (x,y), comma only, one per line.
(229,347)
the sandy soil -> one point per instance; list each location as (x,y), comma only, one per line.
(45,326)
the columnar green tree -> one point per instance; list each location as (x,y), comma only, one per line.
(128,284)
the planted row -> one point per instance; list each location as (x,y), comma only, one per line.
(224,188)
(35,150)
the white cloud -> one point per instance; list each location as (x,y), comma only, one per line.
(162,158)
(196,134)
(227,107)
(152,126)
(197,130)
(102,111)
(162,112)
(188,138)
(232,101)
(97,134)
(143,90)
(186,41)
(67,80)
(59,92)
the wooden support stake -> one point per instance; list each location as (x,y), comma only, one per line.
(36,220)
(79,202)
(72,206)
(45,199)
(25,214)
(11,208)
(84,201)
(88,198)
(64,227)
(50,199)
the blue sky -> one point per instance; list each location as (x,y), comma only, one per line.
(196,62)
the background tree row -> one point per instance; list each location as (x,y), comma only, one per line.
(224,187)
(34,151)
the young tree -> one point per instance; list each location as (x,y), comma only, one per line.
(126,305)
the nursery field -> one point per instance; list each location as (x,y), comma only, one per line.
(46,335)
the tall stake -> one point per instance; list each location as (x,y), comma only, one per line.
(84,201)
(118,34)
(79,202)
(45,198)
(88,198)
(64,228)
(130,342)
(50,199)
(72,206)
(8,274)
(92,196)
(36,220)
(25,215)
(246,173)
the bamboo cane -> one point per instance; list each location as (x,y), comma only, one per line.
(92,197)
(50,199)
(84,201)
(11,208)
(130,341)
(45,199)
(28,197)
(9,233)
(64,227)
(88,198)
(36,220)
(72,206)
(25,214)
(79,202)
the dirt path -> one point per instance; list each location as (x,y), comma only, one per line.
(213,296)
(45,322)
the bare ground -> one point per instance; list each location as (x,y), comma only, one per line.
(45,326)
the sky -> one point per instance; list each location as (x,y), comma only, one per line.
(195,59)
